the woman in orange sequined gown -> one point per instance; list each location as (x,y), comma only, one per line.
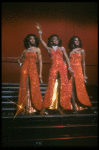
(77,62)
(57,95)
(30,97)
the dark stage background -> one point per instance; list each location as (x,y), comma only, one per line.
(65,19)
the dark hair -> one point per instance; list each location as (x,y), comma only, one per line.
(49,44)
(72,45)
(27,42)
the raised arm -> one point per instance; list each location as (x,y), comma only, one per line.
(67,59)
(40,61)
(40,36)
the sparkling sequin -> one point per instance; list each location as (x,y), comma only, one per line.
(82,95)
(58,65)
(54,103)
(29,69)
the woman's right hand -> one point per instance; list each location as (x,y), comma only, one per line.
(40,77)
(38,26)
(85,78)
(20,64)
(70,69)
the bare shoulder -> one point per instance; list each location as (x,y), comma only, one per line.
(62,48)
(24,51)
(38,50)
(49,49)
(82,50)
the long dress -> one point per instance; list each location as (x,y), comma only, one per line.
(29,84)
(82,95)
(58,66)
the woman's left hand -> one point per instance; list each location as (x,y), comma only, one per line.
(70,69)
(85,78)
(40,76)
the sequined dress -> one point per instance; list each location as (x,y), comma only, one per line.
(29,70)
(75,63)
(58,65)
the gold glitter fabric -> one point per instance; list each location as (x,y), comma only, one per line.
(82,95)
(58,65)
(29,105)
(55,96)
(29,69)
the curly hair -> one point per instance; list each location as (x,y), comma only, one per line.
(72,45)
(49,44)
(27,42)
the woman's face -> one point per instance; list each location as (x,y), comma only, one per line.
(32,40)
(76,41)
(55,40)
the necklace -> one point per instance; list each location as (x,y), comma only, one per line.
(55,47)
(29,48)
(76,51)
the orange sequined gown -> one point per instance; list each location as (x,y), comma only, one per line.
(58,65)
(29,69)
(75,63)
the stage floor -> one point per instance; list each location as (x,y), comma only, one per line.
(54,129)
